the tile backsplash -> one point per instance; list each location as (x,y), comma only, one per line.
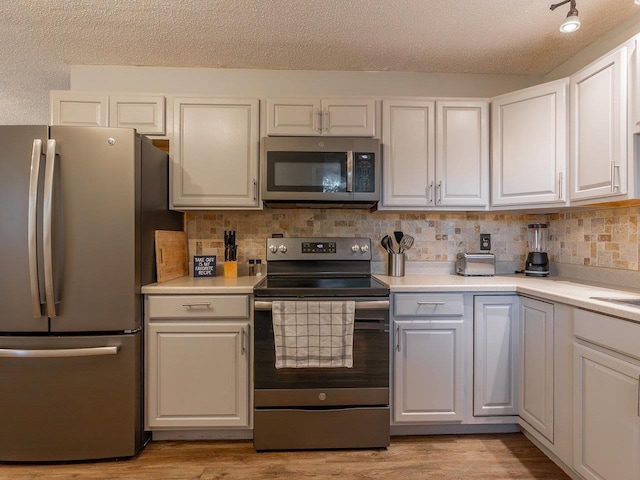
(605,237)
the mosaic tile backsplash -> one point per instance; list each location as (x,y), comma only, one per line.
(599,237)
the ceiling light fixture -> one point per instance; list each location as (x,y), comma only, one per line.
(572,22)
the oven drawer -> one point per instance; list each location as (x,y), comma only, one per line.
(198,306)
(296,429)
(428,304)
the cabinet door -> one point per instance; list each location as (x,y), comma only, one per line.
(529,143)
(198,374)
(79,109)
(495,364)
(348,117)
(408,130)
(294,116)
(428,371)
(145,113)
(536,365)
(462,154)
(599,128)
(215,153)
(606,416)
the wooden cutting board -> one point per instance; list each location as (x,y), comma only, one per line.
(171,255)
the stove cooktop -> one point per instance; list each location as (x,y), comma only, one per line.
(332,286)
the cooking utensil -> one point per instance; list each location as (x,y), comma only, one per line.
(406,243)
(387,243)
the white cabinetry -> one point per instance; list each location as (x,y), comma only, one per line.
(315,116)
(145,113)
(428,372)
(599,128)
(536,365)
(436,154)
(606,398)
(529,146)
(215,153)
(198,367)
(495,366)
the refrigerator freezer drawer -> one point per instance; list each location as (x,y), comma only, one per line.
(70,398)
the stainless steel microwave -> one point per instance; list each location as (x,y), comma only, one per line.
(320,171)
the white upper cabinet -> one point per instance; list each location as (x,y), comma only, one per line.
(529,141)
(214,153)
(315,116)
(79,109)
(436,154)
(599,128)
(408,144)
(462,153)
(145,113)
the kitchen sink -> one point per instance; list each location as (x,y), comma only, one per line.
(633,301)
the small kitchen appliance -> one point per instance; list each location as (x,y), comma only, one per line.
(537,264)
(476,264)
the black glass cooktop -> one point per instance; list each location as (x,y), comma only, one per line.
(297,286)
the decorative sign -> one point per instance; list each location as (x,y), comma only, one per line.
(204,265)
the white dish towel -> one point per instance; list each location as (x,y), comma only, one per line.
(313,334)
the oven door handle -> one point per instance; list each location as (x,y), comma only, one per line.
(360,305)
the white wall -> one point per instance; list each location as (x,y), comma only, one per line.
(265,83)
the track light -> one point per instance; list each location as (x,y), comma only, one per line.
(572,22)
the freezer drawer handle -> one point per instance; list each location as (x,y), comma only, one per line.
(199,304)
(58,353)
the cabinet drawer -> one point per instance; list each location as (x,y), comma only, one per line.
(614,333)
(198,306)
(428,304)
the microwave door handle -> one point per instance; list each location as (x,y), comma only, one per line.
(47,227)
(32,229)
(350,171)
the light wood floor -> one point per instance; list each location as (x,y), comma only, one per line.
(460,457)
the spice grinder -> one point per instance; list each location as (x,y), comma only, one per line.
(537,264)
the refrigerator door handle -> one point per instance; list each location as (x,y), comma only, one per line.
(58,353)
(47,228)
(32,228)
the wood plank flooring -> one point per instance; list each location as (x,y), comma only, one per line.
(461,457)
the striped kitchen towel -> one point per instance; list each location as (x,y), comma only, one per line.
(313,334)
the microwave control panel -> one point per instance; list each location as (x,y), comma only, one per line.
(364,172)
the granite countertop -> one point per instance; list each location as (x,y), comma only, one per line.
(555,289)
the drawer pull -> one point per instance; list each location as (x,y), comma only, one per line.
(195,305)
(431,303)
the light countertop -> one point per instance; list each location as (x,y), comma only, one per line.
(554,289)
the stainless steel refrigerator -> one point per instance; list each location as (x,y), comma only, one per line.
(78,210)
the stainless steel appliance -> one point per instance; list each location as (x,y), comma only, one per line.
(79,208)
(320,171)
(315,408)
(537,264)
(476,264)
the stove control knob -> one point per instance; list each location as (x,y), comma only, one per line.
(355,249)
(273,248)
(364,248)
(282,248)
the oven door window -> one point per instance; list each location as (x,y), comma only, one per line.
(370,357)
(324,172)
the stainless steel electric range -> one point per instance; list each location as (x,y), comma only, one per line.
(322,407)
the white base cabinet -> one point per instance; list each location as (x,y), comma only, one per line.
(198,362)
(535,393)
(495,366)
(428,358)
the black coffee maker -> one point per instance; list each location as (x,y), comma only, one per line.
(537,259)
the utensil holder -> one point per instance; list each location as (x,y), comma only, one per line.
(396,265)
(230,269)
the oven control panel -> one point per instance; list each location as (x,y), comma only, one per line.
(334,248)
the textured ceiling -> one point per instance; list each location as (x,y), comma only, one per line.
(466,36)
